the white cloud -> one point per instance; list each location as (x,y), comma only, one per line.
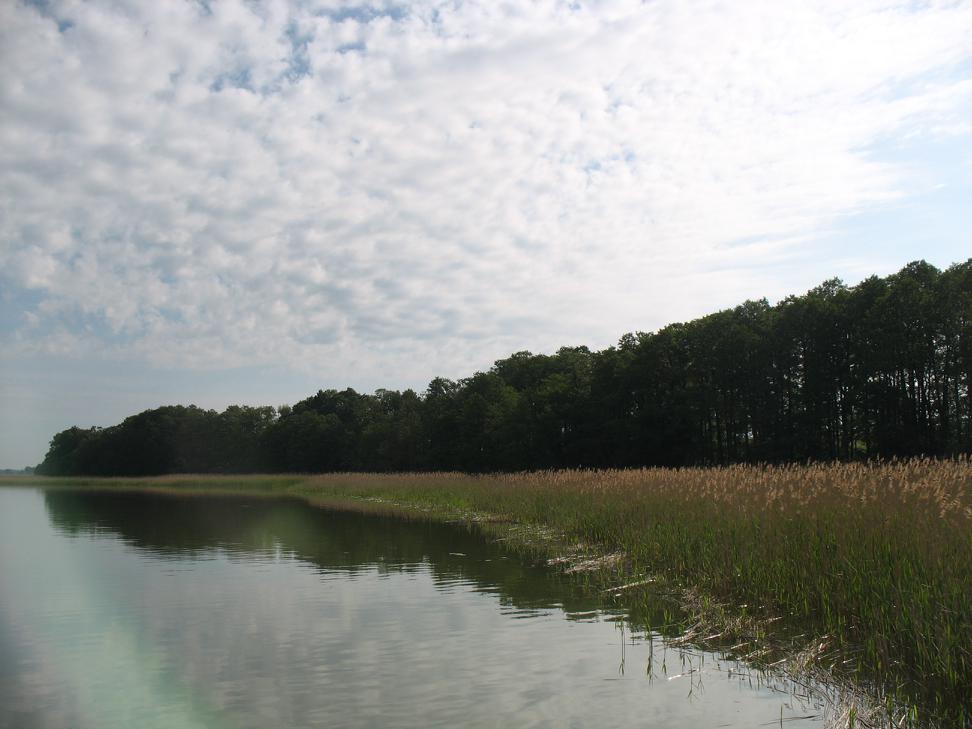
(418,188)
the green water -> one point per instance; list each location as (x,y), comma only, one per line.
(142,610)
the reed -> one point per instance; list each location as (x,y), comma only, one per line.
(877,556)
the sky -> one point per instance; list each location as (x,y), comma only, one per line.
(219,202)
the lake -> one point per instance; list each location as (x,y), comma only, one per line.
(125,609)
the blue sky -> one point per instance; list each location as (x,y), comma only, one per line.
(232,202)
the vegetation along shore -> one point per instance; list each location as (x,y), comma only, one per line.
(871,560)
(878,370)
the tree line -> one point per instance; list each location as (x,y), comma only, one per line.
(876,370)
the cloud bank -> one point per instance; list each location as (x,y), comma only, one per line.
(420,187)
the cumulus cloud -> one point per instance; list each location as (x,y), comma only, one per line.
(418,187)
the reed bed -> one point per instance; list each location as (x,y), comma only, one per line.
(877,557)
(873,557)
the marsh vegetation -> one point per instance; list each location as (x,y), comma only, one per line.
(872,561)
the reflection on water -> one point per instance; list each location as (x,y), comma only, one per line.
(120,610)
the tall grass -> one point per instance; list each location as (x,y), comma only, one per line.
(876,556)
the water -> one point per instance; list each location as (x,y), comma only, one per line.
(137,609)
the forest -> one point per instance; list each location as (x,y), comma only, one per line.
(877,370)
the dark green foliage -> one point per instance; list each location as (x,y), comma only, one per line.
(880,369)
(172,439)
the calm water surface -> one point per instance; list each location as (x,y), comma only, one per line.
(141,610)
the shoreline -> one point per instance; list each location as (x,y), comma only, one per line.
(554,515)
